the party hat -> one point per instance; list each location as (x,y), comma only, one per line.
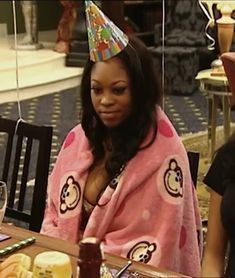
(105,38)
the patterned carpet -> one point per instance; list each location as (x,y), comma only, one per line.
(62,111)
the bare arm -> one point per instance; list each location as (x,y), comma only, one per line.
(216,241)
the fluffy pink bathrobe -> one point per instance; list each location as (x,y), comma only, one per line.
(152,216)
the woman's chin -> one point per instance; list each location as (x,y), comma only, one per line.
(110,124)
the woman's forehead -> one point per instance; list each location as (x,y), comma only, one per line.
(111,68)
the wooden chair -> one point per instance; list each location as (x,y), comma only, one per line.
(228,60)
(193,158)
(25,156)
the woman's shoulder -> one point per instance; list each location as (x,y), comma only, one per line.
(166,127)
(76,136)
(225,155)
(222,168)
(163,120)
(229,146)
(76,131)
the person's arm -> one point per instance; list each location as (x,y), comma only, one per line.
(216,241)
(50,220)
(69,154)
(49,224)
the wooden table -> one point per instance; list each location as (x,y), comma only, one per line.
(216,88)
(45,243)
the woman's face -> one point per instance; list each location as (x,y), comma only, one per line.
(110,92)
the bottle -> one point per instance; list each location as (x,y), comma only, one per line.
(90,258)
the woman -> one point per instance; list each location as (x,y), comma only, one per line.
(123,174)
(221,229)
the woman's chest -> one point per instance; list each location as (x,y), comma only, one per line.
(96,182)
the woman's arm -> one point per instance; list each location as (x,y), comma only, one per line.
(216,241)
(49,224)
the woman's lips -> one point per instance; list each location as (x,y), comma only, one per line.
(108,114)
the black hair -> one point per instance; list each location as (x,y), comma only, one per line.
(146,93)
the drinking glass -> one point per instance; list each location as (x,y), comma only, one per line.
(3,200)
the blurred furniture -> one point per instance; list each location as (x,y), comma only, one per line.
(114,10)
(65,26)
(78,50)
(216,88)
(138,17)
(225,28)
(45,243)
(185,46)
(228,60)
(25,158)
(193,158)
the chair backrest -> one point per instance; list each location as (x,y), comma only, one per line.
(228,60)
(25,156)
(193,158)
(185,15)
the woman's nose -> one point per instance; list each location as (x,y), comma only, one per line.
(106,99)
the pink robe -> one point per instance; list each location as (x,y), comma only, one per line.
(152,216)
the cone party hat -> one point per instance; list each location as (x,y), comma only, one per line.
(105,38)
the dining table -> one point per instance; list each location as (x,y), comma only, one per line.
(45,243)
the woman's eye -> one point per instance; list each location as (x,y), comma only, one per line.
(96,90)
(120,90)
